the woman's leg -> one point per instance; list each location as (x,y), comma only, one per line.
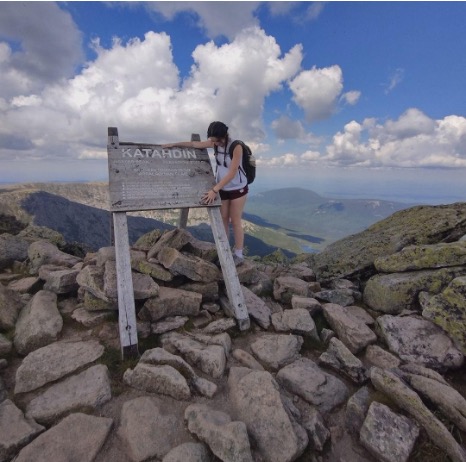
(225,213)
(236,213)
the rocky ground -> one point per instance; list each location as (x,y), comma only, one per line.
(356,354)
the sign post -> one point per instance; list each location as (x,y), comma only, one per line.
(149,177)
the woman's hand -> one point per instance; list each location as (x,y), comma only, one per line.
(209,197)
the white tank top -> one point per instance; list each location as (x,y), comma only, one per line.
(223,162)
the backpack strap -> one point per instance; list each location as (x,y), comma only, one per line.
(230,152)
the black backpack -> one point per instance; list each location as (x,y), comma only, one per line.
(249,161)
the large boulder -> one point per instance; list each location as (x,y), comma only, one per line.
(354,256)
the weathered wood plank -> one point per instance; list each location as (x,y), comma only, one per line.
(230,276)
(183,219)
(126,306)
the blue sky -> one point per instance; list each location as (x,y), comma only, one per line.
(353,99)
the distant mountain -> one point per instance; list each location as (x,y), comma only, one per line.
(295,220)
(80,223)
(314,220)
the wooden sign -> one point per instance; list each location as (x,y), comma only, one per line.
(147,177)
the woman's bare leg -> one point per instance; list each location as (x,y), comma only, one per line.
(236,213)
(225,213)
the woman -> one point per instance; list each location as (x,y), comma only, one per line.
(231,182)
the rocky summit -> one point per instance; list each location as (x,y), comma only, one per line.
(353,355)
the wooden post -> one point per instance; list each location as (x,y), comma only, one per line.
(126,307)
(230,276)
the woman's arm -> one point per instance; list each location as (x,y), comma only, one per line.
(190,144)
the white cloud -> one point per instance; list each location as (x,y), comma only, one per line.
(394,80)
(215,18)
(412,141)
(286,128)
(317,91)
(136,86)
(351,97)
(50,46)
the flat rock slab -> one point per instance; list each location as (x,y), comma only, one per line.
(307,380)
(16,431)
(228,440)
(89,389)
(145,430)
(256,401)
(53,362)
(388,436)
(78,437)
(418,340)
(275,350)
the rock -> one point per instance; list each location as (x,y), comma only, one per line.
(176,239)
(219,326)
(356,410)
(307,380)
(171,302)
(12,248)
(209,290)
(418,257)
(158,379)
(448,310)
(227,440)
(354,256)
(316,429)
(388,436)
(152,269)
(308,303)
(27,285)
(43,252)
(143,285)
(62,281)
(91,318)
(379,357)
(408,400)
(145,430)
(10,307)
(91,278)
(256,401)
(275,351)
(353,332)
(446,398)
(53,362)
(16,431)
(340,359)
(343,297)
(5,346)
(298,321)
(247,360)
(61,443)
(257,308)
(192,267)
(89,389)
(34,233)
(285,287)
(188,452)
(169,324)
(393,293)
(211,359)
(39,323)
(418,340)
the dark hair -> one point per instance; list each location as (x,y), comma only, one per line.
(217,130)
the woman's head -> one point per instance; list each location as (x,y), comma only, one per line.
(217,130)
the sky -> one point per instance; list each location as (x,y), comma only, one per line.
(348,99)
